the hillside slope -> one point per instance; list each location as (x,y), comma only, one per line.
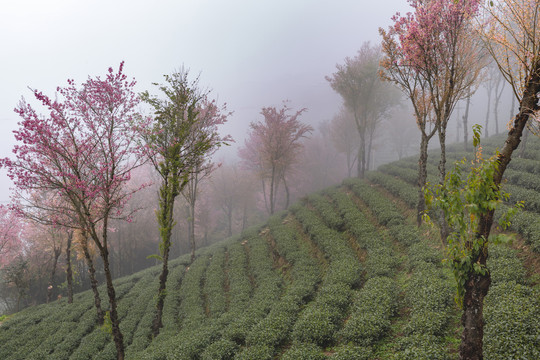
(343,274)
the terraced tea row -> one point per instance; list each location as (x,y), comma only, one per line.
(344,274)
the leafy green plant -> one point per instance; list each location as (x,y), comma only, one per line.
(463,202)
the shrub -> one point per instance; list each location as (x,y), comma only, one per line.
(327,211)
(303,351)
(504,265)
(405,234)
(317,324)
(352,352)
(372,310)
(512,329)
(420,347)
(222,349)
(256,352)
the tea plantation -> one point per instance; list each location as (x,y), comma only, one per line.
(343,274)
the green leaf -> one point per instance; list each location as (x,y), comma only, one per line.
(155,256)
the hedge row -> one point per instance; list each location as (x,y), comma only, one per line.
(319,321)
(239,285)
(407,174)
(522,179)
(525,165)
(214,287)
(383,209)
(131,308)
(380,258)
(371,313)
(327,211)
(429,296)
(51,324)
(396,186)
(268,290)
(527,224)
(344,266)
(275,328)
(511,310)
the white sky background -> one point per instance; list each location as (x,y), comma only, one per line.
(251,53)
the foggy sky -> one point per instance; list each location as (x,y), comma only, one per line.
(250,53)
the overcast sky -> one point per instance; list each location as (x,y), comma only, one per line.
(251,53)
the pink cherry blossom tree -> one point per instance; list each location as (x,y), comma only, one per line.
(10,239)
(432,54)
(48,213)
(272,149)
(84,150)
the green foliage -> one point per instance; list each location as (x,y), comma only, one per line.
(352,352)
(429,297)
(505,266)
(420,347)
(222,349)
(107,324)
(303,351)
(383,209)
(327,211)
(371,313)
(256,352)
(464,203)
(317,325)
(396,187)
(512,329)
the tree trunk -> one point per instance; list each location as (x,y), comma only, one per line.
(272,195)
(349,164)
(524,143)
(192,230)
(359,163)
(512,113)
(287,193)
(69,271)
(244,218)
(157,323)
(465,123)
(113,313)
(50,287)
(486,132)
(229,221)
(93,280)
(422,177)
(165,218)
(477,286)
(498,94)
(444,230)
(264,195)
(369,149)
(362,155)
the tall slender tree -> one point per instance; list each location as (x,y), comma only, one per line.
(183,135)
(365,96)
(397,69)
(210,117)
(512,36)
(344,136)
